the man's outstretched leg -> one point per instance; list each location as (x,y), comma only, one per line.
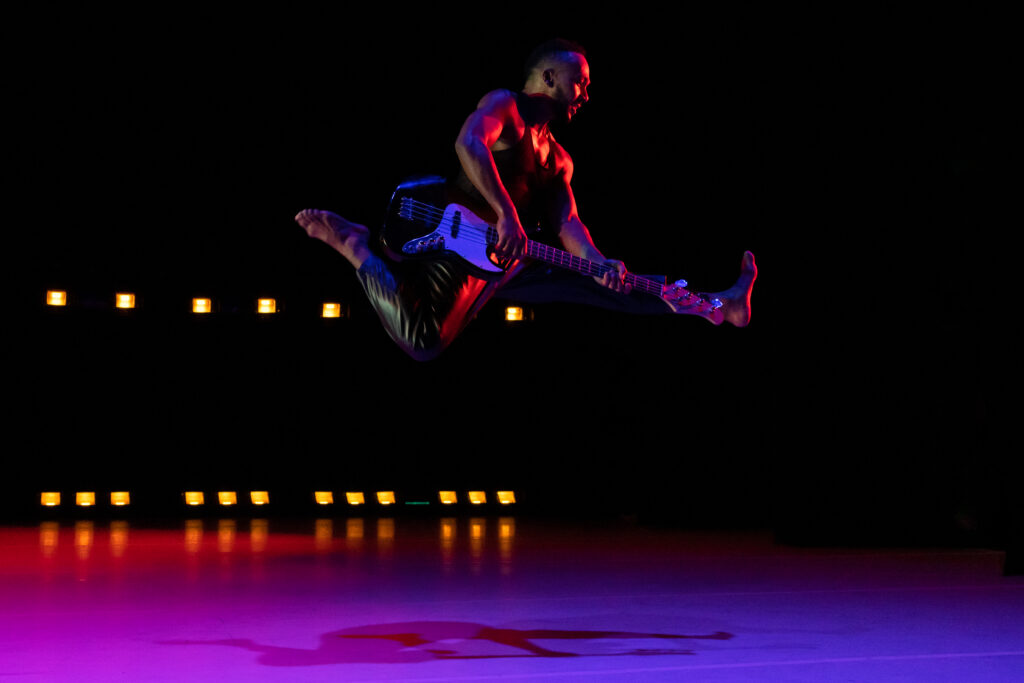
(422,309)
(349,239)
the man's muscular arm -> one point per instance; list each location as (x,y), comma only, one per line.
(574,234)
(483,128)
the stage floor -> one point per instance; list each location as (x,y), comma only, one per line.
(482,598)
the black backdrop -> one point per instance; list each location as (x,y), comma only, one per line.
(860,155)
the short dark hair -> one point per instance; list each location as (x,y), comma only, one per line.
(547,49)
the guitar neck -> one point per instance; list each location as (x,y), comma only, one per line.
(563,259)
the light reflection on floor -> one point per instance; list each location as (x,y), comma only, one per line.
(474,598)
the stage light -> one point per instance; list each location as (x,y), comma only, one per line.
(506,497)
(55,297)
(477,497)
(386,497)
(124,300)
(85,498)
(355,497)
(201,305)
(194,498)
(266,306)
(49,499)
(332,310)
(323,497)
(514,313)
(120,498)
(259,497)
(227,497)
(448,497)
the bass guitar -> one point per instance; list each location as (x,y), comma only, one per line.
(422,223)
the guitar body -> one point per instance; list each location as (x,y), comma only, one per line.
(426,219)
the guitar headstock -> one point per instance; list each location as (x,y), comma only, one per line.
(680,299)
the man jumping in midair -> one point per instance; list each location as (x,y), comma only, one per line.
(511,163)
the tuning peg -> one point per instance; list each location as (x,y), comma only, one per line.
(680,283)
(716,304)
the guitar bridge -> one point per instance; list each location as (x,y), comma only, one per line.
(431,242)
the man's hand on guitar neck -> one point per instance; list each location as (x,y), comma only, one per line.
(511,243)
(615,277)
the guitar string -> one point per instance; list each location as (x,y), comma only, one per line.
(427,213)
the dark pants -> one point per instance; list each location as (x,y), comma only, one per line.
(424,305)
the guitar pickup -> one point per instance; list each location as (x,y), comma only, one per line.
(456,222)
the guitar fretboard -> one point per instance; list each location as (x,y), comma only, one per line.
(563,259)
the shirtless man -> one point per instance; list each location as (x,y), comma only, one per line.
(510,161)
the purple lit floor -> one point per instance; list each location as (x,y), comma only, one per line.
(470,599)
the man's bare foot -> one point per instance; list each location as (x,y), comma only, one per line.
(350,239)
(736,300)
(735,308)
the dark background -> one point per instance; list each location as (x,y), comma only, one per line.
(860,154)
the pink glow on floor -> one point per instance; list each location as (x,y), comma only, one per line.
(482,598)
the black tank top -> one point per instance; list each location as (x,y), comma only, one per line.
(530,185)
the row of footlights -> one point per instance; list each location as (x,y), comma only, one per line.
(228,498)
